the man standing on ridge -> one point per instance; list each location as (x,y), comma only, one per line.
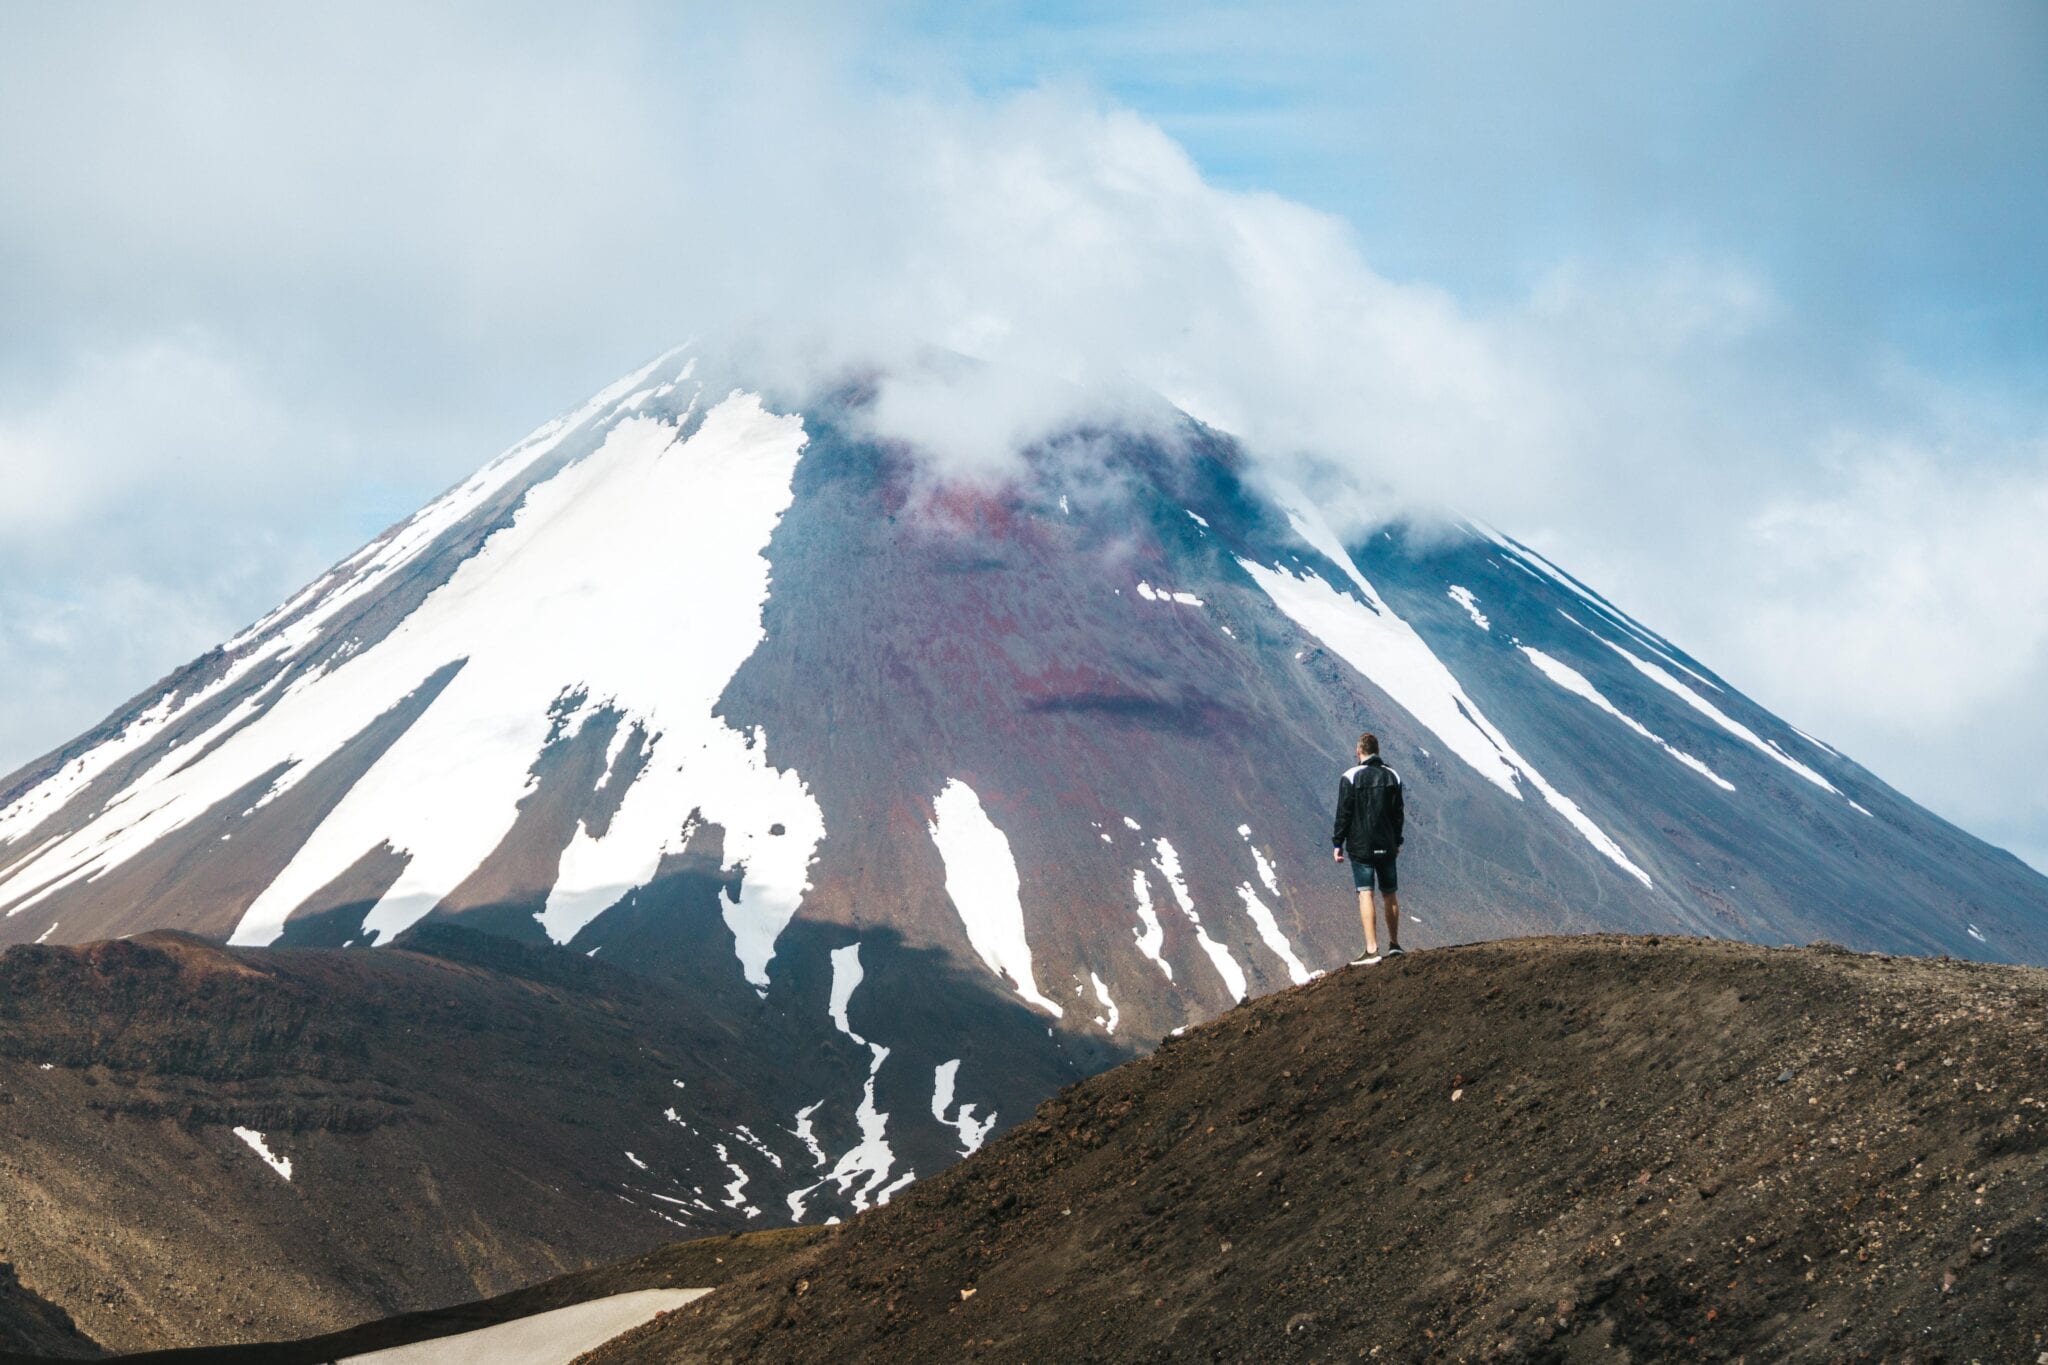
(1368,829)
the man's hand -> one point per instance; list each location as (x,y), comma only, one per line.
(1337,855)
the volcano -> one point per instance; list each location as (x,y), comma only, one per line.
(932,791)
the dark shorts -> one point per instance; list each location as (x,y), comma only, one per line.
(1366,872)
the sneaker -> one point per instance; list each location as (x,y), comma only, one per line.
(1365,961)
(1397,951)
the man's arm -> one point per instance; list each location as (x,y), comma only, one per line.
(1400,811)
(1346,794)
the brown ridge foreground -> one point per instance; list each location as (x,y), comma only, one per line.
(1536,1150)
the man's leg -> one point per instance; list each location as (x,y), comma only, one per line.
(1372,938)
(1392,901)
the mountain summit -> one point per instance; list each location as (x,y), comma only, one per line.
(934,789)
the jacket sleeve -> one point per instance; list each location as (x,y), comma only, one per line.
(1346,794)
(1400,809)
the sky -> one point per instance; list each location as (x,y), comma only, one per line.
(1739,311)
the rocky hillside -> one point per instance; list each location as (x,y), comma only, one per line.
(1536,1150)
(201,1145)
(32,1326)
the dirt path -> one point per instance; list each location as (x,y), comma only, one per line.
(551,1338)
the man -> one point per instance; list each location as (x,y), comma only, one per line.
(1369,819)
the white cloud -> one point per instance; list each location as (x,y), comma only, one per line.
(278,276)
(1918,571)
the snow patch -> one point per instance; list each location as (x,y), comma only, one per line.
(46,797)
(1270,935)
(1167,860)
(847,975)
(1108,1021)
(735,1190)
(1722,719)
(863,1168)
(1464,598)
(1197,518)
(805,1133)
(746,1135)
(1265,866)
(1523,558)
(1576,683)
(261,1147)
(1151,934)
(1832,753)
(972,1133)
(981,878)
(1152,594)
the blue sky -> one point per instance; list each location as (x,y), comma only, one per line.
(1881,162)
(1739,310)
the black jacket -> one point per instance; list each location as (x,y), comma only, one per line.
(1369,812)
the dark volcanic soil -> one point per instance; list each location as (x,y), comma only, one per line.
(31,1325)
(1539,1150)
(456,1113)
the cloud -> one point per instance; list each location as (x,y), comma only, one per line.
(1920,569)
(279,275)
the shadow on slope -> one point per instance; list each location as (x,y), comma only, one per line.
(458,1112)
(679,1265)
(33,1328)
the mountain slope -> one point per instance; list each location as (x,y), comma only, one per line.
(202,1144)
(32,1326)
(699,1263)
(722,686)
(1531,1150)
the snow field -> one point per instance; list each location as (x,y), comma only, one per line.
(1576,683)
(1383,647)
(982,880)
(619,527)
